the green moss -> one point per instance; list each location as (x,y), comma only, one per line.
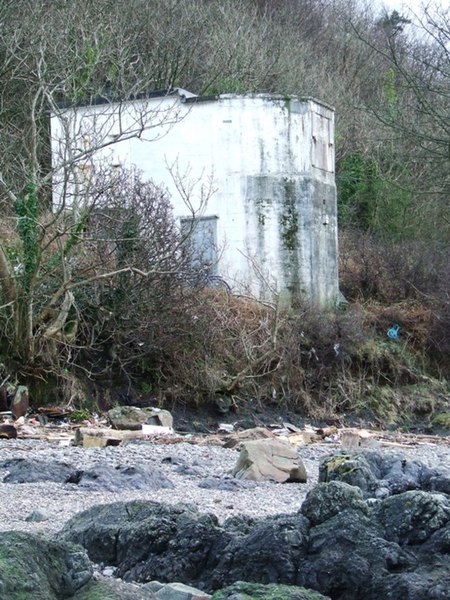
(79,415)
(255,591)
(112,590)
(32,567)
(287,103)
(441,420)
(337,463)
(289,217)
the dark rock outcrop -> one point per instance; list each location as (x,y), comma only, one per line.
(411,518)
(98,478)
(347,553)
(270,551)
(224,484)
(328,500)
(380,475)
(106,478)
(26,470)
(147,540)
(340,543)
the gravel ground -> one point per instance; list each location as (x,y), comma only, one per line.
(58,502)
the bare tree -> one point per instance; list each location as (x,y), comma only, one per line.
(53,269)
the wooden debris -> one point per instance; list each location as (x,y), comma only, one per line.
(54,412)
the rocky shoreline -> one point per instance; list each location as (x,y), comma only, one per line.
(186,465)
(381,516)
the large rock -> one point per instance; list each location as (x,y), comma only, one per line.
(28,470)
(412,517)
(132,417)
(269,460)
(147,540)
(347,554)
(98,478)
(254,591)
(119,478)
(31,567)
(340,544)
(380,475)
(113,589)
(175,591)
(7,431)
(269,550)
(328,499)
(21,402)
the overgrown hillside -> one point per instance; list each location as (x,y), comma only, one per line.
(94,307)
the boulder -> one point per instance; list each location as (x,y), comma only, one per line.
(255,591)
(175,591)
(412,517)
(37,516)
(377,475)
(98,478)
(437,482)
(119,478)
(328,499)
(28,470)
(224,484)
(32,567)
(347,554)
(113,589)
(147,540)
(132,417)
(159,417)
(269,550)
(269,460)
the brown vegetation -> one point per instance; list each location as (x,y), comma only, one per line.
(99,298)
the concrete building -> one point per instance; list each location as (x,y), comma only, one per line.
(258,171)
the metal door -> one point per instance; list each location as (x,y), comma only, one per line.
(201,238)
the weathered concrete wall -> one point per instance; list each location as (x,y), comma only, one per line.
(271,163)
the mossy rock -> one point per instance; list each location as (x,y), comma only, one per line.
(255,591)
(113,589)
(32,567)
